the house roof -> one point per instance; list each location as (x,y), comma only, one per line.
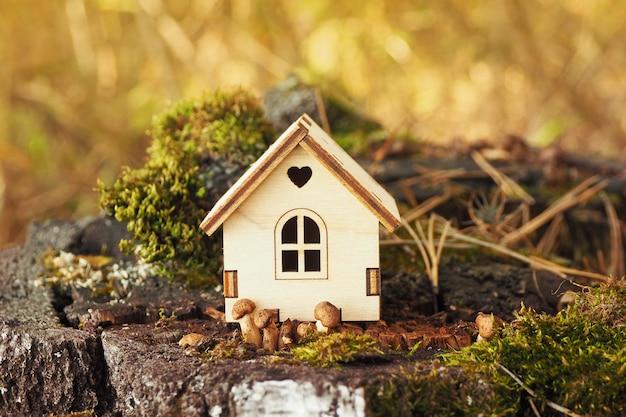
(306,133)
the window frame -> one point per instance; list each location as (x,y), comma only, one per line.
(300,246)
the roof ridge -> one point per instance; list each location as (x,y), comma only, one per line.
(306,133)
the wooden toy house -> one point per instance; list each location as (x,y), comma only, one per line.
(302,226)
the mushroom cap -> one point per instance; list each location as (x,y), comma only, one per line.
(327,314)
(304,329)
(242,307)
(487,324)
(263,318)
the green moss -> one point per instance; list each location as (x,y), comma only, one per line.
(164,320)
(576,359)
(229,349)
(441,392)
(333,349)
(197,145)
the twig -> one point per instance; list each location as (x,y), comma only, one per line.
(534,407)
(427,206)
(393,240)
(538,288)
(452,233)
(617,248)
(548,241)
(532,393)
(382,152)
(570,271)
(501,249)
(601,261)
(434,177)
(505,183)
(575,196)
(408,194)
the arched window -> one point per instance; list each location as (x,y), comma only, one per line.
(301,248)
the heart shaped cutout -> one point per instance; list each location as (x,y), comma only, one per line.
(299,176)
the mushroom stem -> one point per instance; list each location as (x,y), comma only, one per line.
(285,339)
(320,327)
(249,332)
(242,312)
(270,337)
(266,320)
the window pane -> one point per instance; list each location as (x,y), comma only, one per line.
(311,231)
(312,260)
(290,261)
(290,231)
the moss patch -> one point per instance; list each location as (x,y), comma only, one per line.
(198,147)
(576,359)
(331,350)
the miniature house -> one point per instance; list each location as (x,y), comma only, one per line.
(302,226)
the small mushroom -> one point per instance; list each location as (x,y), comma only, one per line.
(285,339)
(305,328)
(327,316)
(567,298)
(266,321)
(192,339)
(242,312)
(487,325)
(192,343)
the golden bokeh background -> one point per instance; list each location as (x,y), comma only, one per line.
(81,79)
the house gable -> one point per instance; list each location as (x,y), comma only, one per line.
(349,237)
(314,140)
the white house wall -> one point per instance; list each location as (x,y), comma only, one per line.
(352,234)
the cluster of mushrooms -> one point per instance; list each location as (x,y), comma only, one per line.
(253,321)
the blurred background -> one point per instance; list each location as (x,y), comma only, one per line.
(81,79)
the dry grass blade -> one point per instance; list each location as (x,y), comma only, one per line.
(420,245)
(548,241)
(533,261)
(617,248)
(601,262)
(430,251)
(568,271)
(578,195)
(455,234)
(427,206)
(434,177)
(393,240)
(434,251)
(506,184)
(382,152)
(409,194)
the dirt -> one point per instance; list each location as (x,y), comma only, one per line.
(469,287)
(411,313)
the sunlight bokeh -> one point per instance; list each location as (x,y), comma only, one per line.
(80,80)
